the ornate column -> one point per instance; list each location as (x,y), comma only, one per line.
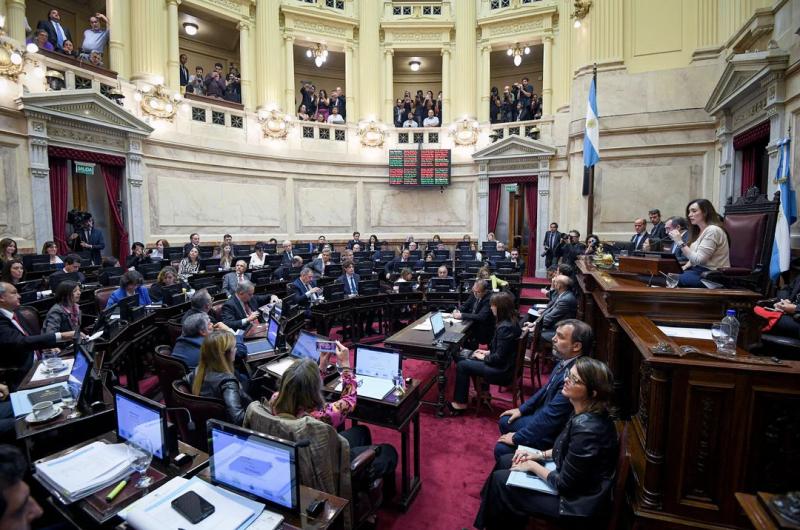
(40,180)
(349,82)
(133,191)
(120,37)
(707,22)
(547,76)
(485,83)
(727,156)
(542,221)
(289,92)
(147,39)
(245,70)
(465,100)
(268,42)
(15,20)
(483,201)
(173,61)
(446,111)
(775,84)
(369,60)
(388,86)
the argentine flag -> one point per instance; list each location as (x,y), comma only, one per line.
(591,134)
(787,214)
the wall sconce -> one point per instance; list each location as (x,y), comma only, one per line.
(274,123)
(580,10)
(190,28)
(319,53)
(517,53)
(13,55)
(157,101)
(465,131)
(372,133)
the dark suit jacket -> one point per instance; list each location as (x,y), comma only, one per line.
(317,267)
(298,291)
(343,280)
(341,104)
(480,314)
(17,349)
(550,411)
(95,239)
(658,231)
(396,265)
(561,307)
(135,261)
(503,348)
(354,242)
(230,282)
(286,260)
(551,241)
(187,247)
(670,246)
(52,36)
(233,312)
(644,238)
(184,75)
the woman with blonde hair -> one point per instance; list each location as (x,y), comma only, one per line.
(485,273)
(215,376)
(226,259)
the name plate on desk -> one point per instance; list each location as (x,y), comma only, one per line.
(648,265)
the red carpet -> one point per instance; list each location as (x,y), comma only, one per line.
(456,457)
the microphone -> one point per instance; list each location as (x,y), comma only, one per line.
(190,424)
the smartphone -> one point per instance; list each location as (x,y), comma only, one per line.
(326,346)
(192,507)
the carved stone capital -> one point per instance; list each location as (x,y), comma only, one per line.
(243,26)
(175,3)
(39,142)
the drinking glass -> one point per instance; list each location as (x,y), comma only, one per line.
(68,402)
(140,453)
(399,384)
(672,280)
(721,332)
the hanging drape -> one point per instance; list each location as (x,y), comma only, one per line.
(531,203)
(494,205)
(112,175)
(752,144)
(750,161)
(59,193)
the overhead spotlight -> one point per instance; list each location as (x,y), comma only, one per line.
(414,64)
(31,48)
(190,28)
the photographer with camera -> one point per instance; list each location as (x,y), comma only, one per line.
(508,105)
(570,248)
(85,235)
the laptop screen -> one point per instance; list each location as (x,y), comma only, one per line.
(437,323)
(78,374)
(255,465)
(377,362)
(306,346)
(137,419)
(272,331)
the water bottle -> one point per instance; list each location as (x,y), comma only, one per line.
(730,319)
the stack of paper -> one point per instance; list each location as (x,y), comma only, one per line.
(155,511)
(523,479)
(86,470)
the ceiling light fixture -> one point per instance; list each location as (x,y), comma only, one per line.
(190,28)
(414,64)
(517,53)
(319,53)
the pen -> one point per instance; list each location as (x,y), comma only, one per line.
(113,493)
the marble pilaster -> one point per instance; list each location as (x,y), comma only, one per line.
(288,63)
(547,76)
(173,50)
(542,222)
(388,86)
(40,181)
(15,19)
(245,63)
(446,111)
(465,100)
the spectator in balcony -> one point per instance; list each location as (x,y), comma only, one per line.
(69,49)
(419,107)
(524,92)
(335,118)
(309,97)
(302,114)
(536,107)
(522,112)
(431,120)
(233,88)
(438,107)
(197,83)
(95,38)
(318,118)
(40,39)
(96,59)
(183,70)
(338,102)
(215,84)
(494,106)
(399,113)
(56,33)
(323,104)
(508,105)
(410,122)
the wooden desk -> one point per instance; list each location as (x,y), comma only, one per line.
(83,515)
(418,344)
(705,428)
(396,413)
(761,515)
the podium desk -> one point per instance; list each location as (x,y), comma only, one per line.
(705,426)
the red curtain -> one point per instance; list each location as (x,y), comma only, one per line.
(85,156)
(494,205)
(531,203)
(750,161)
(113,178)
(59,193)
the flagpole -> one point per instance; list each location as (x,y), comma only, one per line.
(590,202)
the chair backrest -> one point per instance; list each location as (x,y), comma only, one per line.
(31,318)
(201,408)
(620,478)
(169,369)
(522,347)
(102,295)
(174,329)
(216,310)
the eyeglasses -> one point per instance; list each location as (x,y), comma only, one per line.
(569,378)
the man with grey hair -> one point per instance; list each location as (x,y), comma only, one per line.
(477,310)
(304,289)
(241,309)
(187,348)
(288,254)
(235,277)
(200,303)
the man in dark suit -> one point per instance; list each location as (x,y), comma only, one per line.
(319,264)
(538,421)
(234,278)
(241,309)
(562,306)
(72,264)
(640,235)
(478,311)
(18,344)
(659,231)
(668,245)
(349,279)
(304,289)
(551,241)
(194,242)
(338,102)
(288,254)
(355,241)
(183,70)
(87,237)
(56,32)
(398,263)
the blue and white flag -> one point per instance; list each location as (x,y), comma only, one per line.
(787,213)
(591,134)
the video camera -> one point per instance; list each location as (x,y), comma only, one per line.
(76,218)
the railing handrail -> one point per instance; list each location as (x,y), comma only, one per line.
(189,96)
(67,60)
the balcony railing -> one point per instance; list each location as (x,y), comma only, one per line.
(490,7)
(213,111)
(339,6)
(402,10)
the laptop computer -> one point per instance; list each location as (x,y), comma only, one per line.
(375,369)
(23,401)
(437,326)
(255,465)
(304,348)
(265,345)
